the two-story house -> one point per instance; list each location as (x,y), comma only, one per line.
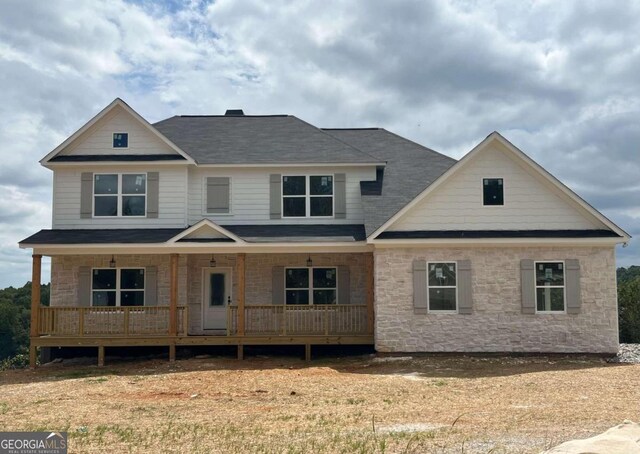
(263,229)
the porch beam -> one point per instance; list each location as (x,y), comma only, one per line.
(173,297)
(370,282)
(36,273)
(240,272)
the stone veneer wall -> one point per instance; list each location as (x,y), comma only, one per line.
(64,275)
(258,277)
(497,323)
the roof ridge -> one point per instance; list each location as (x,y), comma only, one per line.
(373,128)
(232,116)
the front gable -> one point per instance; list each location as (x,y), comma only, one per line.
(533,199)
(95,138)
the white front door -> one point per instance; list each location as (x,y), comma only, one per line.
(216,297)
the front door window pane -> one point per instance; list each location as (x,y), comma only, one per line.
(217,286)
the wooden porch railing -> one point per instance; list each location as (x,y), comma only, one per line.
(329,319)
(109,321)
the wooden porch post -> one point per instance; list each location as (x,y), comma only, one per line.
(173,305)
(370,292)
(240,271)
(36,271)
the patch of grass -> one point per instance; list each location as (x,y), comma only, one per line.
(4,408)
(97,380)
(78,373)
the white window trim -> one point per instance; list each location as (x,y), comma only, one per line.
(120,148)
(119,195)
(310,289)
(563,287)
(117,289)
(307,196)
(437,311)
(204,196)
(504,192)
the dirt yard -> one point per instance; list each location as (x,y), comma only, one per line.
(357,404)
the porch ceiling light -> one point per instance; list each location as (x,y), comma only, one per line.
(212,262)
(309,262)
(112,262)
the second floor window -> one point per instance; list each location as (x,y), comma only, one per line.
(119,194)
(307,196)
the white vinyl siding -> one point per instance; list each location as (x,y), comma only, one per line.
(172,198)
(250,194)
(530,203)
(98,140)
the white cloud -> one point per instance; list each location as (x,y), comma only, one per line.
(558,79)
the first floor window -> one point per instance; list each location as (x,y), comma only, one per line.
(549,286)
(313,285)
(119,194)
(441,287)
(117,287)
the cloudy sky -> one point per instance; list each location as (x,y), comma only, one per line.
(560,79)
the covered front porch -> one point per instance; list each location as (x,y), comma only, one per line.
(194,298)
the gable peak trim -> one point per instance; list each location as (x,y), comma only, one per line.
(118,102)
(524,158)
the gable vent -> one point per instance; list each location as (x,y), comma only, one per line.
(234,113)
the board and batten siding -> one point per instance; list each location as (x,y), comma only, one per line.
(249,194)
(98,140)
(529,203)
(172,198)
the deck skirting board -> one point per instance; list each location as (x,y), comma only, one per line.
(198,340)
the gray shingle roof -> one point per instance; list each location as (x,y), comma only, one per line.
(474,234)
(100,236)
(410,169)
(298,233)
(272,139)
(250,233)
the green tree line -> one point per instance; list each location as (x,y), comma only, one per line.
(629,303)
(15,318)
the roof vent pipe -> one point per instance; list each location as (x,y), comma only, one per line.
(234,113)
